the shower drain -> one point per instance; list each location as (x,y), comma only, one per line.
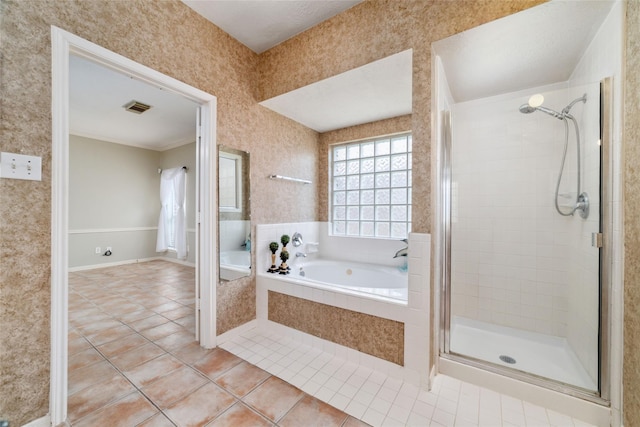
(507,359)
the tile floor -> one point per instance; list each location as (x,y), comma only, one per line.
(133,362)
(382,400)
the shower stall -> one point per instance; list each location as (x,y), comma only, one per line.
(524,191)
(524,290)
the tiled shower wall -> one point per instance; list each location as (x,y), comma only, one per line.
(509,246)
(512,261)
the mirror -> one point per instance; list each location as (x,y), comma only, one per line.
(234,217)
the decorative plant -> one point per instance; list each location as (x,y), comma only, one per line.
(284,256)
(273,247)
(284,239)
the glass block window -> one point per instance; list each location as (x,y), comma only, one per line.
(370,191)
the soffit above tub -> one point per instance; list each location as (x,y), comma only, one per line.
(262,24)
(97,99)
(535,47)
(379,90)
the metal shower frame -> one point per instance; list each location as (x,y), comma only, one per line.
(602,395)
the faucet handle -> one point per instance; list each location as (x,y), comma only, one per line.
(296,239)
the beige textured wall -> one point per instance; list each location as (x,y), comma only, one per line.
(171,38)
(631,156)
(379,337)
(374,30)
(353,133)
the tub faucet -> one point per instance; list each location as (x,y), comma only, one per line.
(301,255)
(404,251)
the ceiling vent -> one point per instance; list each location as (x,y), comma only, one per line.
(136,107)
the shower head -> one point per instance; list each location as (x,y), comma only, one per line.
(527,109)
(535,104)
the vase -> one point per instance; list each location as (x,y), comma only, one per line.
(284,268)
(273,268)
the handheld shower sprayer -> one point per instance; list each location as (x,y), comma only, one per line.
(535,104)
(536,101)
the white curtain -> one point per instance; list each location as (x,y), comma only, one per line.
(172,232)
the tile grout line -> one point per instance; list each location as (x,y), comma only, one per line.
(139,390)
(118,370)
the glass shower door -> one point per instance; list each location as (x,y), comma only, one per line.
(525,292)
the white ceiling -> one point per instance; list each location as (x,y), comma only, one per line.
(538,46)
(262,24)
(96,98)
(376,91)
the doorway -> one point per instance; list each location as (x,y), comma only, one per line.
(64,45)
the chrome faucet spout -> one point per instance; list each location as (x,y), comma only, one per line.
(301,255)
(404,251)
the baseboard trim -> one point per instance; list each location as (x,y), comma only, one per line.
(129,261)
(40,422)
(176,261)
(112,230)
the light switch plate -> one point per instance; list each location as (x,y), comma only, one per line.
(19,166)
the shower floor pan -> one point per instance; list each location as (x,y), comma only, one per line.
(543,355)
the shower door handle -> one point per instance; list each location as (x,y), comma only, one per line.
(596,240)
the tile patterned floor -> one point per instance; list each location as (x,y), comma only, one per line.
(133,362)
(379,399)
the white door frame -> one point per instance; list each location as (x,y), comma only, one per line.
(64,44)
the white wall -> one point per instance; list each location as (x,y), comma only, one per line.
(114,200)
(509,246)
(366,250)
(233,234)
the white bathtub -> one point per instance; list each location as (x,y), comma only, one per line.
(367,279)
(401,297)
(235,264)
